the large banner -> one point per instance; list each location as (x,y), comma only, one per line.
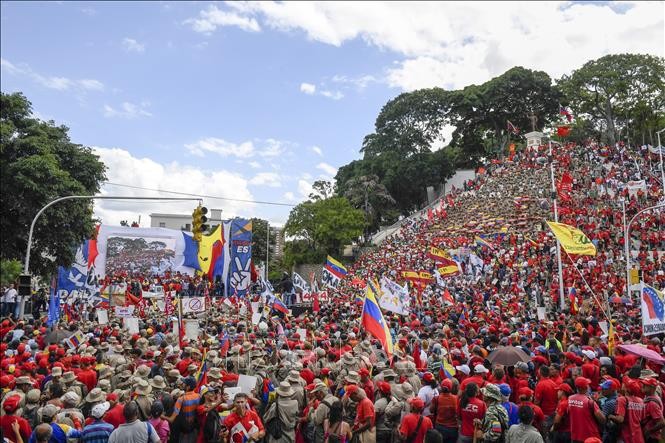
(139,251)
(78,283)
(240,245)
(653,311)
(394,297)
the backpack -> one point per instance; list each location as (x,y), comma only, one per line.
(274,425)
(333,437)
(212,429)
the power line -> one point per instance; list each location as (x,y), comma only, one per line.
(214,197)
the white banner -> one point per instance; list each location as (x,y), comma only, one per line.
(329,279)
(300,283)
(131,324)
(191,329)
(653,310)
(193,305)
(635,186)
(124,311)
(394,297)
(102,316)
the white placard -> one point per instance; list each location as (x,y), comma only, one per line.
(102,316)
(193,305)
(256,318)
(246,383)
(124,311)
(603,326)
(176,327)
(542,313)
(302,333)
(232,392)
(255,306)
(131,324)
(192,329)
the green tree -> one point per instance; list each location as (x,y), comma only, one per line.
(40,164)
(9,271)
(366,192)
(322,227)
(259,237)
(608,90)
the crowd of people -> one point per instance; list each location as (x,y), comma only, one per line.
(322,378)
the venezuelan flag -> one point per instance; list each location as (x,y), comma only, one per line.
(202,374)
(372,319)
(447,368)
(655,302)
(279,306)
(336,268)
(483,242)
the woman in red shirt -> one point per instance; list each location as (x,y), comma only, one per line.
(444,411)
(469,409)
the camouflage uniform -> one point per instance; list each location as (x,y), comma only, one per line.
(495,422)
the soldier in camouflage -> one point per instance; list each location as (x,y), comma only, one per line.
(495,423)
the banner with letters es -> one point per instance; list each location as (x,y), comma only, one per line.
(240,248)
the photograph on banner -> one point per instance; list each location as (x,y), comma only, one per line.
(653,311)
(394,297)
(142,255)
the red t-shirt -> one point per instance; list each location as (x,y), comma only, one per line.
(581,411)
(631,430)
(7,431)
(476,408)
(115,416)
(365,409)
(248,420)
(410,423)
(546,396)
(562,410)
(653,412)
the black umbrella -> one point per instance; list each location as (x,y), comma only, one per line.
(508,356)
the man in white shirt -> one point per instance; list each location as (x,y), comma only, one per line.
(10,299)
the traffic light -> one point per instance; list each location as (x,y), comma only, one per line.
(199,220)
(25,285)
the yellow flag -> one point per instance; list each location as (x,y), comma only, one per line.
(572,239)
(206,248)
(611,340)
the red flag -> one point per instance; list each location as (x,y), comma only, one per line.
(430,214)
(253,273)
(416,356)
(315,303)
(447,297)
(92,248)
(565,186)
(563,131)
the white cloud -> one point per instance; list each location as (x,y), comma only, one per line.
(127,110)
(325,167)
(359,82)
(126,169)
(317,150)
(254,164)
(221,147)
(335,95)
(269,179)
(436,44)
(289,197)
(307,88)
(51,82)
(132,45)
(212,18)
(304,188)
(268,148)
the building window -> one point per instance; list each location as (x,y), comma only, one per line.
(162,224)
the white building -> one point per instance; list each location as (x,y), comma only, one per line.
(183,222)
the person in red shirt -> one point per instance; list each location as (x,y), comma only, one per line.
(561,425)
(414,426)
(584,413)
(478,377)
(546,396)
(243,422)
(366,383)
(182,365)
(10,405)
(444,411)
(365,419)
(525,396)
(469,408)
(114,415)
(630,412)
(591,370)
(87,374)
(653,411)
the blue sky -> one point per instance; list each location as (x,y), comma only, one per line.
(258,100)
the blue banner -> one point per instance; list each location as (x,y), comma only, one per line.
(240,248)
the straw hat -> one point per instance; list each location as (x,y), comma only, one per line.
(285,390)
(68,377)
(143,387)
(95,395)
(142,371)
(158,382)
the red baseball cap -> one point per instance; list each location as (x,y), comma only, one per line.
(582,382)
(428,377)
(565,388)
(649,381)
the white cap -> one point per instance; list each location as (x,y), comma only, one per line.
(589,354)
(480,369)
(100,409)
(464,368)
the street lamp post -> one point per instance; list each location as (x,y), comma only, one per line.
(627,240)
(562,302)
(660,154)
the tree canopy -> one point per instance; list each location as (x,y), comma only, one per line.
(39,164)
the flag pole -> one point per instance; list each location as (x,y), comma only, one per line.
(562,302)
